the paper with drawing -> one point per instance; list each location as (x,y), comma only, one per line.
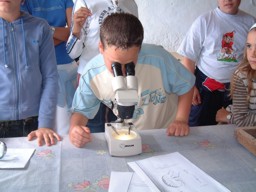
(173,172)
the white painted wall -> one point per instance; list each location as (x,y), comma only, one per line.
(166,21)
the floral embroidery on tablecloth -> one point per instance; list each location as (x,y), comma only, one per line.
(83,186)
(99,185)
(103,182)
(146,148)
(47,153)
(205,144)
(101,152)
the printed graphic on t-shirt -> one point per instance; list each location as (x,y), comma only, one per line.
(149,96)
(227,53)
(112,9)
(106,12)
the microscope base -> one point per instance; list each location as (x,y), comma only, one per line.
(120,142)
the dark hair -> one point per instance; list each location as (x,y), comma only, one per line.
(122,30)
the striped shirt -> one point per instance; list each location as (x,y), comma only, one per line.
(244,108)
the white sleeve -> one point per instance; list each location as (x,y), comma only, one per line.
(75,45)
(192,44)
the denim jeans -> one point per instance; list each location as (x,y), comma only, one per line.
(211,102)
(19,128)
(97,124)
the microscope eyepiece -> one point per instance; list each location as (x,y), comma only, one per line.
(117,69)
(125,87)
(130,69)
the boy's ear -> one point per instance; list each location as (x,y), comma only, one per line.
(101,48)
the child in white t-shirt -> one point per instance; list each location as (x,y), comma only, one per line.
(212,49)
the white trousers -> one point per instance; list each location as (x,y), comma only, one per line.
(62,120)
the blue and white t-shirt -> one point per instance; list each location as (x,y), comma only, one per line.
(161,79)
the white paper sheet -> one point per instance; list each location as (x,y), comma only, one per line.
(173,172)
(126,182)
(16,158)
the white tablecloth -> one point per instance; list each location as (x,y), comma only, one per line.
(63,167)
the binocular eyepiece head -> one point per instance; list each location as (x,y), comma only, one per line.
(129,69)
(125,87)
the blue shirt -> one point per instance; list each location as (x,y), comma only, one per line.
(54,11)
(28,70)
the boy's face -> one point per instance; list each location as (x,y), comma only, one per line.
(122,56)
(9,6)
(229,6)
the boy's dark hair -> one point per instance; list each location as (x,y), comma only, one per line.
(122,30)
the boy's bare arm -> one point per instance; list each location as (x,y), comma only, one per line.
(179,127)
(79,134)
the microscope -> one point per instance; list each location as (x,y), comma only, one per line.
(121,136)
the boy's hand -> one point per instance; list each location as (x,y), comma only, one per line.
(79,135)
(79,19)
(44,135)
(221,115)
(196,100)
(178,128)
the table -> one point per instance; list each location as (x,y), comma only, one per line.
(63,167)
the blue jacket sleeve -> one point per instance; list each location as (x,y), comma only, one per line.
(48,67)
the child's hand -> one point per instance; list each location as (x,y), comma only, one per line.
(221,115)
(178,128)
(44,135)
(79,135)
(79,19)
(196,100)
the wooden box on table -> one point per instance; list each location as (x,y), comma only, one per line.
(246,136)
